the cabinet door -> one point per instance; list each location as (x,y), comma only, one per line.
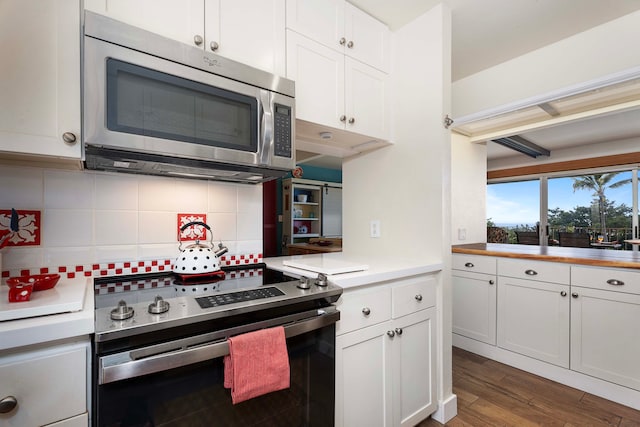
(605,338)
(367,39)
(474,306)
(40,84)
(365,99)
(414,362)
(363,376)
(180,20)
(319,75)
(533,319)
(319,20)
(332,212)
(247,31)
(50,385)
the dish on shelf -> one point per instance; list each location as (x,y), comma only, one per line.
(39,282)
(324,243)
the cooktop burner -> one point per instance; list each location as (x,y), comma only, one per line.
(131,305)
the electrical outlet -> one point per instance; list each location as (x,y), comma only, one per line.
(462,233)
(374,228)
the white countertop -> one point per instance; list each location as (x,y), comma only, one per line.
(379,270)
(42,329)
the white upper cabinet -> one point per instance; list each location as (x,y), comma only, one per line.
(40,83)
(341,27)
(247,31)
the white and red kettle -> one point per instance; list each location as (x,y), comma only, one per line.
(198,258)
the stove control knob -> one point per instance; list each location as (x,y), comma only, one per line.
(304,283)
(158,306)
(122,311)
(321,280)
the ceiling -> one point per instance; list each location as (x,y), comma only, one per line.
(488,32)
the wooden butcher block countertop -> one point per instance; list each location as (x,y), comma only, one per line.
(583,256)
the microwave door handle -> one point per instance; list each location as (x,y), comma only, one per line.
(266,136)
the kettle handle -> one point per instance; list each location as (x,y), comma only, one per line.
(189,224)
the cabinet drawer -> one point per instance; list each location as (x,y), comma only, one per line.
(49,385)
(534,270)
(355,305)
(412,295)
(475,263)
(609,279)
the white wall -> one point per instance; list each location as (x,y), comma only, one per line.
(468,190)
(592,54)
(97,217)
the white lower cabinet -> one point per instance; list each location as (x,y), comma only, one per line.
(385,363)
(605,335)
(48,386)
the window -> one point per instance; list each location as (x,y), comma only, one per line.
(596,209)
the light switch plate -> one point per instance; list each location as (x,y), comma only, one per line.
(374,228)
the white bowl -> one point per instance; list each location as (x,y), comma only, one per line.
(302,198)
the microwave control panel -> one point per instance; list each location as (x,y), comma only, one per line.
(282,130)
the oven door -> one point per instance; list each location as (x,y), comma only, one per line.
(180,383)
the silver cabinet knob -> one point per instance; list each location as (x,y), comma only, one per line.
(563,293)
(391,334)
(343,118)
(531,272)
(398,331)
(8,404)
(615,282)
(352,121)
(366,311)
(418,297)
(491,282)
(350,44)
(197,39)
(214,46)
(69,138)
(342,41)
(469,265)
(575,295)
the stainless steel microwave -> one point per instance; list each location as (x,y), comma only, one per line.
(156,106)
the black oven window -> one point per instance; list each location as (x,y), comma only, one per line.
(194,395)
(146,102)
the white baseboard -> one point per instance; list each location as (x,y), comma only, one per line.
(616,393)
(447,409)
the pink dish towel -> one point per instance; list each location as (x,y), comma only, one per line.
(257,364)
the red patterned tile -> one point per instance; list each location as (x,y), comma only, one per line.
(193,232)
(29,226)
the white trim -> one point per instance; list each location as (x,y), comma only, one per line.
(611,79)
(447,409)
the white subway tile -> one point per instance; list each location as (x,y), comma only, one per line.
(249,247)
(223,197)
(189,196)
(159,251)
(250,198)
(83,255)
(116,191)
(21,257)
(156,194)
(67,227)
(116,227)
(223,226)
(68,189)
(116,253)
(157,227)
(21,188)
(249,226)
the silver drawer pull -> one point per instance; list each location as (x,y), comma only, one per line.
(531,272)
(8,404)
(366,311)
(615,282)
(469,265)
(418,297)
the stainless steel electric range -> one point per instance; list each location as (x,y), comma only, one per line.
(160,340)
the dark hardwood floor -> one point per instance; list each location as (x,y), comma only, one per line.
(492,394)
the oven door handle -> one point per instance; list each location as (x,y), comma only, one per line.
(120,367)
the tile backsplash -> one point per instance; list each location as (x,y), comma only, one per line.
(94,218)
